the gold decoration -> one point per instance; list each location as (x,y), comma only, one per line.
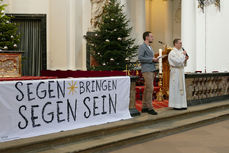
(160,97)
(97,11)
(72,87)
(10,65)
(137,73)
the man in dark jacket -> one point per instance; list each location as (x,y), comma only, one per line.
(147,60)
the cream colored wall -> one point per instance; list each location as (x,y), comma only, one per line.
(31,7)
(135,11)
(67,22)
(216,40)
(176,19)
(205,36)
(57,30)
(86,18)
(155,21)
(163,20)
(28,6)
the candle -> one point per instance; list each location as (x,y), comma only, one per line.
(160,61)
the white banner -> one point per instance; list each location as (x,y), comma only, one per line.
(38,107)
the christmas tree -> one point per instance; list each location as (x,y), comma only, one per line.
(8,31)
(110,44)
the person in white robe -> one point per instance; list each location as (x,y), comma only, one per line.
(177,60)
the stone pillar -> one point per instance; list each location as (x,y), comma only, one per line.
(78,23)
(169,22)
(135,11)
(140,22)
(200,40)
(86,17)
(71,34)
(188,32)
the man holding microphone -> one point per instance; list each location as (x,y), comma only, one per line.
(177,60)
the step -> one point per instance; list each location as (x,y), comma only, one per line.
(127,137)
(100,136)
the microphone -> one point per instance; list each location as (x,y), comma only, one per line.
(184,50)
(160,42)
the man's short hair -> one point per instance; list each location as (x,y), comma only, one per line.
(146,34)
(176,41)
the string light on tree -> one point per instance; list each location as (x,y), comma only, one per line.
(8,30)
(113,41)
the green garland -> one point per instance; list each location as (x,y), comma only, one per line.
(204,3)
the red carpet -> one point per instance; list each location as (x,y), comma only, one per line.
(27,78)
(156,104)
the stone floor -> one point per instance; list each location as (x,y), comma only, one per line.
(213,138)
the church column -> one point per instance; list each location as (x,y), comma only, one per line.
(140,23)
(136,14)
(78,21)
(135,11)
(168,22)
(71,34)
(200,40)
(188,32)
(86,24)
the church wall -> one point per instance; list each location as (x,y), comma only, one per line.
(31,7)
(156,21)
(163,19)
(176,20)
(212,38)
(200,40)
(28,6)
(57,30)
(135,12)
(67,22)
(217,32)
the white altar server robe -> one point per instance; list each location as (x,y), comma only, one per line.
(177,92)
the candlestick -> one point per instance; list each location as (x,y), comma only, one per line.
(160,97)
(160,93)
(160,61)
(126,69)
